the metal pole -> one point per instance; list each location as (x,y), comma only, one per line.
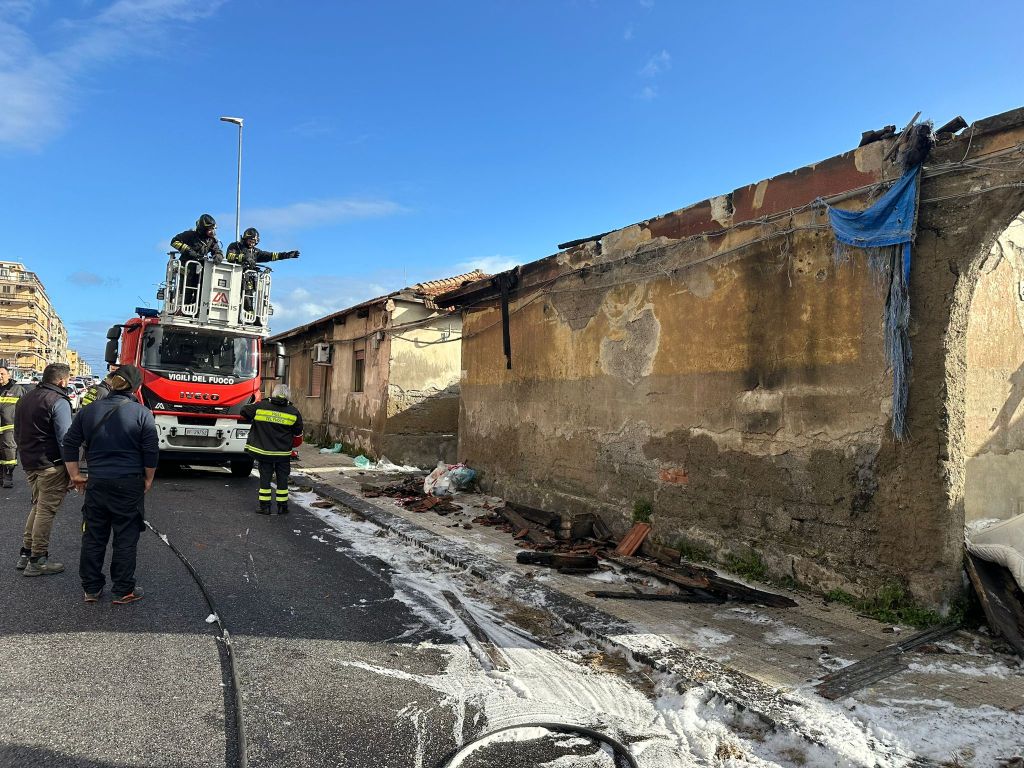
(238,190)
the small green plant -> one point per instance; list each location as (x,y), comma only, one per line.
(695,553)
(893,604)
(749,565)
(642,511)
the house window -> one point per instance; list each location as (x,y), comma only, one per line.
(316,379)
(358,366)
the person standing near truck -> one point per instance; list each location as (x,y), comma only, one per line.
(41,419)
(276,429)
(10,393)
(122,449)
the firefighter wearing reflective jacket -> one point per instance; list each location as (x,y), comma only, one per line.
(199,243)
(10,393)
(246,253)
(276,429)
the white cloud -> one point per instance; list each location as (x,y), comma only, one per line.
(318,296)
(658,63)
(490,265)
(628,33)
(318,213)
(648,92)
(39,86)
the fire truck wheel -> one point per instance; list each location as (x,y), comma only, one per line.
(241,468)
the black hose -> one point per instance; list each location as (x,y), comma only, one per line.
(623,758)
(243,747)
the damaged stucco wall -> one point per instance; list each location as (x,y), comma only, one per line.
(335,411)
(423,386)
(994,486)
(737,380)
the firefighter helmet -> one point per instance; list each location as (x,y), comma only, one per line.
(205,222)
(251,234)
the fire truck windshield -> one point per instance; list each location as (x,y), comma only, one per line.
(199,352)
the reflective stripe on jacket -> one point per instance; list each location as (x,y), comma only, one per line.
(10,393)
(275,422)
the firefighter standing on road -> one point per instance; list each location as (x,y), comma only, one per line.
(276,429)
(10,393)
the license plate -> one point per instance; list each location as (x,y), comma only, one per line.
(240,433)
(197,432)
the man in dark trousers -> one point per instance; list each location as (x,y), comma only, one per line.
(276,429)
(122,449)
(10,393)
(40,420)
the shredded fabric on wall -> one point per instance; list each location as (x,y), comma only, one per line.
(886,231)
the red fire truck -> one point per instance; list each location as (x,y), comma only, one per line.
(200,356)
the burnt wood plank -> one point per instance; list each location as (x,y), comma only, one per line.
(1000,599)
(696,596)
(535,537)
(704,578)
(885,663)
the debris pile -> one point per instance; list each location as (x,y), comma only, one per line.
(408,493)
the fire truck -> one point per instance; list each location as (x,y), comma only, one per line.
(200,355)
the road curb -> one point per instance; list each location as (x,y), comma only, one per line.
(742,690)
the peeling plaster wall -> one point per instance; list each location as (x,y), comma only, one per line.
(423,388)
(994,486)
(338,412)
(737,380)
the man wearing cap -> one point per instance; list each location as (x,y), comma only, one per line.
(100,390)
(121,448)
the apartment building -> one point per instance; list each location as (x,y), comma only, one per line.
(31,332)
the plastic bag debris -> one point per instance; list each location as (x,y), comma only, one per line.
(362,462)
(335,449)
(446,479)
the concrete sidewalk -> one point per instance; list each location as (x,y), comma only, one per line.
(960,699)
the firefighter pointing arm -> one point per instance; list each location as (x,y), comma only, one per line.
(247,254)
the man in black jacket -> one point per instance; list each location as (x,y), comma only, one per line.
(10,393)
(40,420)
(247,254)
(122,450)
(276,429)
(196,244)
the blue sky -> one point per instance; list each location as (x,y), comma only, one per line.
(393,142)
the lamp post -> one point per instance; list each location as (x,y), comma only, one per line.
(238,190)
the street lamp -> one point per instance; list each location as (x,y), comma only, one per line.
(238,190)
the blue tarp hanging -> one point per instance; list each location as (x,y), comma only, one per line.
(885,231)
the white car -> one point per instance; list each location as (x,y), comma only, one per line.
(75,396)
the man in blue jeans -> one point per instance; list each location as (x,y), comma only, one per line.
(121,447)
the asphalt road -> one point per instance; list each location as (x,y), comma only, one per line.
(147,684)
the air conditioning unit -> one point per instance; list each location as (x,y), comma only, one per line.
(322,354)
